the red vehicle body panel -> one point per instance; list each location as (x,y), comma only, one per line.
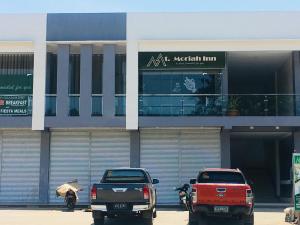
(221,194)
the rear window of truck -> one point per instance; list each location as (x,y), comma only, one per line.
(125,176)
(221,177)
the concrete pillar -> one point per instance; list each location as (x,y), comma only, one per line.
(135,152)
(225,86)
(109,54)
(86,73)
(225,148)
(296,65)
(277,161)
(44,167)
(62,99)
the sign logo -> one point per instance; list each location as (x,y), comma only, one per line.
(190,84)
(2,102)
(156,62)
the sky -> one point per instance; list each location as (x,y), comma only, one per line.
(52,6)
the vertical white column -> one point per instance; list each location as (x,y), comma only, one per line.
(132,86)
(39,85)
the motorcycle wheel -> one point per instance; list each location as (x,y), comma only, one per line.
(70,204)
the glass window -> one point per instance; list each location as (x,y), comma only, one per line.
(16,74)
(51,75)
(120,84)
(125,176)
(185,82)
(97,74)
(221,177)
(16,64)
(74,74)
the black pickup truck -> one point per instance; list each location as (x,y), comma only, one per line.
(124,192)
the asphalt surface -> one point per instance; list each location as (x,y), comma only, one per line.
(80,217)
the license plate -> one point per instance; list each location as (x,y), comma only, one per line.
(221,209)
(120,206)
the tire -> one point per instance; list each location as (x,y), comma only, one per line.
(154,214)
(148,217)
(192,219)
(99,221)
(70,204)
(202,220)
(148,221)
(249,220)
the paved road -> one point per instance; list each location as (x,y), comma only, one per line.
(78,217)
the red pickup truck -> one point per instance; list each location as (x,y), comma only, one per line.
(222,193)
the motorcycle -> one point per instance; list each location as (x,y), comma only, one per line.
(69,192)
(185,196)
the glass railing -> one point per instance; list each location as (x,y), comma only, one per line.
(50,105)
(96,105)
(15,105)
(120,105)
(218,105)
(74,104)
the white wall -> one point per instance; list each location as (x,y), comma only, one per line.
(205,31)
(27,33)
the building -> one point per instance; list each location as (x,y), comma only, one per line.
(171,92)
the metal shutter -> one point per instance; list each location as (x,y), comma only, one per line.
(199,149)
(175,156)
(109,149)
(20,167)
(69,160)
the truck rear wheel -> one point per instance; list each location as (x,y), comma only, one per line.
(148,217)
(249,220)
(99,221)
(192,219)
(202,220)
(149,221)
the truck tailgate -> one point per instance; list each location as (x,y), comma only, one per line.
(110,193)
(220,194)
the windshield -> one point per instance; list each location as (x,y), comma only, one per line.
(221,177)
(125,176)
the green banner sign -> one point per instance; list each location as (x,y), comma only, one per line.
(296,175)
(14,105)
(181,60)
(16,84)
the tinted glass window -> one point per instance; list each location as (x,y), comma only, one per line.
(120,84)
(51,83)
(97,74)
(221,177)
(74,76)
(182,82)
(125,176)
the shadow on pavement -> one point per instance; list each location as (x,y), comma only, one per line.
(124,221)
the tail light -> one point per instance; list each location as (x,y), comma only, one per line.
(94,193)
(194,195)
(249,197)
(146,192)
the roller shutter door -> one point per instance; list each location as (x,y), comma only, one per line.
(85,156)
(69,160)
(20,166)
(175,156)
(109,149)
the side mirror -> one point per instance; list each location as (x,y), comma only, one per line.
(155,181)
(192,181)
